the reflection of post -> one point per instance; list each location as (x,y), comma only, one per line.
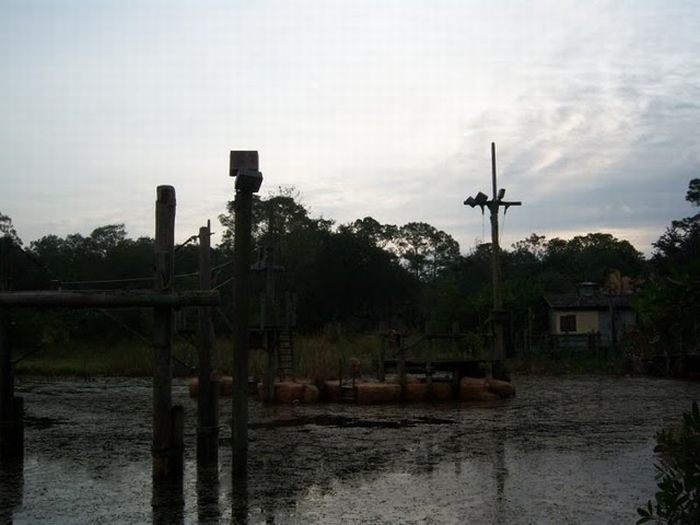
(244,166)
(167,503)
(208,494)
(239,501)
(500,473)
(208,399)
(11,488)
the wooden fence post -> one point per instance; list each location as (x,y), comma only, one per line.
(380,365)
(162,451)
(208,398)
(11,407)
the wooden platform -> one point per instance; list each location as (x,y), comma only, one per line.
(463,367)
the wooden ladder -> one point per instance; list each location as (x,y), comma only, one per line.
(347,394)
(285,356)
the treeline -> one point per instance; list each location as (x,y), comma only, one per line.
(366,275)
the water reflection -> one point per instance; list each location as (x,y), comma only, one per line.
(11,488)
(168,503)
(500,472)
(239,500)
(510,462)
(208,494)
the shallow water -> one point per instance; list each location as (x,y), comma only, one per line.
(565,450)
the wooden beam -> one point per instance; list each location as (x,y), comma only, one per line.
(115,299)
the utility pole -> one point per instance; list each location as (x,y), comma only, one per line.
(494,205)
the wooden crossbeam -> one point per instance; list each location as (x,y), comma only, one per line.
(108,299)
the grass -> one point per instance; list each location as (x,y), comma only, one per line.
(570,365)
(80,359)
(316,356)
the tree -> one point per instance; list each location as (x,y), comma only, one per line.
(425,249)
(680,243)
(8,230)
(678,449)
(278,215)
(668,302)
(592,257)
(382,235)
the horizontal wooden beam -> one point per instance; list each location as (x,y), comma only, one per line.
(110,299)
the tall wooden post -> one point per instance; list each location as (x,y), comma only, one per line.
(497,314)
(208,399)
(498,346)
(243,166)
(164,464)
(11,407)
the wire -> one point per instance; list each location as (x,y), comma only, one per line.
(483,231)
(223,284)
(226,320)
(109,281)
(124,325)
(141,279)
(189,240)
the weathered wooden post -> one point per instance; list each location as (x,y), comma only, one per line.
(497,314)
(396,337)
(208,398)
(165,464)
(272,344)
(244,167)
(381,375)
(11,407)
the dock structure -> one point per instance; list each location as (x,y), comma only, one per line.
(168,419)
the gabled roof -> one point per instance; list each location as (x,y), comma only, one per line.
(598,301)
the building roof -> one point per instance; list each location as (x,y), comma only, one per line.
(598,301)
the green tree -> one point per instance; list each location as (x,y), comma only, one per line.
(425,250)
(668,302)
(8,230)
(678,449)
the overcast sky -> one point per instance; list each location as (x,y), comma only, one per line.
(380,108)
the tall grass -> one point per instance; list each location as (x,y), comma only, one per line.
(318,357)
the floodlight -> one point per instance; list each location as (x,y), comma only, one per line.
(480,199)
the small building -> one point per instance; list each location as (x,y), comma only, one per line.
(589,318)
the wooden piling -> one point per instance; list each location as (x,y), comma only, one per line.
(402,364)
(381,376)
(208,398)
(163,464)
(241,304)
(11,408)
(272,344)
(177,440)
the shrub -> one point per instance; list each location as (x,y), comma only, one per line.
(677,502)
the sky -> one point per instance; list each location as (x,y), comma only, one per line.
(368,108)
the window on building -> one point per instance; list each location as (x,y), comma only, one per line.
(567,323)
